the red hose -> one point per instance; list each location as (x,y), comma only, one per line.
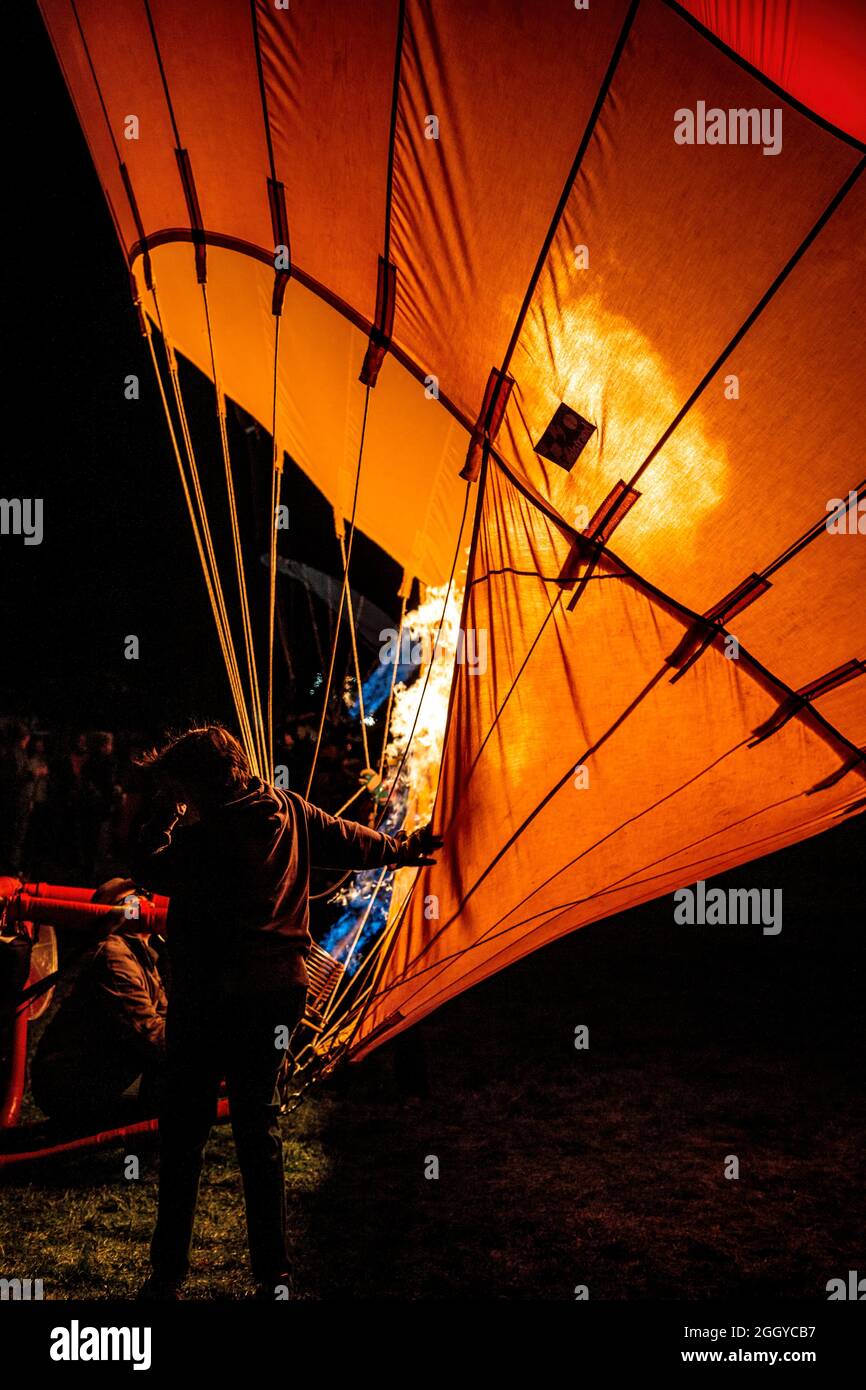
(16,1070)
(57,890)
(94,1141)
(72,912)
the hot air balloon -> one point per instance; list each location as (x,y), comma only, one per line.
(560,304)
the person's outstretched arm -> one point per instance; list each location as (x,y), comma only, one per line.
(345,844)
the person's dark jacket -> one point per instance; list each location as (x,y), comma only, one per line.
(107,1032)
(239,883)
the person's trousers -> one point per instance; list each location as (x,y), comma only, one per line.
(244,1042)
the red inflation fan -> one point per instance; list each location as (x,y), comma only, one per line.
(28,911)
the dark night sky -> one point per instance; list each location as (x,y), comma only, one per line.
(117,555)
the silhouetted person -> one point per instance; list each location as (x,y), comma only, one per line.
(238,873)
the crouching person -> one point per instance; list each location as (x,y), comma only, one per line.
(109,1031)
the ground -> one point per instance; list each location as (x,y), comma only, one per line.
(558,1167)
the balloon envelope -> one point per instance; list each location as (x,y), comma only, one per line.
(678,317)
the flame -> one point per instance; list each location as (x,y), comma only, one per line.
(420,775)
(420,705)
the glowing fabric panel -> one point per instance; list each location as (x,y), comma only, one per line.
(673,790)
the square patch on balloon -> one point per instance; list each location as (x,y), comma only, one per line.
(565,437)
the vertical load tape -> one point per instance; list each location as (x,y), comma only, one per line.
(195,223)
(280,226)
(380,333)
(139,226)
(496,395)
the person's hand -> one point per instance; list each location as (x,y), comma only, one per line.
(417,848)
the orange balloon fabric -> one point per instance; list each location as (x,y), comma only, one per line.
(676,326)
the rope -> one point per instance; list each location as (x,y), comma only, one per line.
(276,482)
(433,654)
(375,962)
(313,623)
(204,524)
(259,749)
(354,637)
(391,690)
(200,526)
(246,625)
(342,597)
(327,892)
(391,931)
(346,804)
(806,539)
(511,689)
(343,987)
(331,1004)
(214,595)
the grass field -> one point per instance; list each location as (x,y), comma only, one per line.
(557,1167)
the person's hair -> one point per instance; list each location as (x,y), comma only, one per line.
(207,760)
